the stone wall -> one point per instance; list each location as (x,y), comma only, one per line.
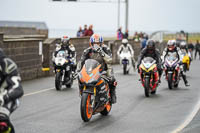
(25,53)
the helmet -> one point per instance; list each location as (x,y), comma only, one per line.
(96,39)
(124,41)
(150,45)
(183,45)
(171,44)
(65,40)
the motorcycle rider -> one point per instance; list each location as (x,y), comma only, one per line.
(104,56)
(184,48)
(171,47)
(151,51)
(69,49)
(126,47)
(10,90)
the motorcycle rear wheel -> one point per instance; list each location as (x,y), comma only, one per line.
(86,112)
(107,109)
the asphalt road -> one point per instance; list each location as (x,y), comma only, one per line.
(45,110)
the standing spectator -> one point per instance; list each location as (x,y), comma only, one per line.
(197,49)
(143,42)
(80,32)
(190,49)
(136,37)
(119,34)
(126,34)
(85,29)
(89,32)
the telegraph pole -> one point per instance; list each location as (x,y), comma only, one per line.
(118,18)
(126,20)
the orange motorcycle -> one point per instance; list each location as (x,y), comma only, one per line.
(95,91)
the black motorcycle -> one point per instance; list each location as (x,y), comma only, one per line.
(63,70)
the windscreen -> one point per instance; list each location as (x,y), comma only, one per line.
(171,56)
(148,60)
(61,54)
(91,64)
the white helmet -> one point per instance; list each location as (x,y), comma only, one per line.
(124,41)
(183,43)
(171,42)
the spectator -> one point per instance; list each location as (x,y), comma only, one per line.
(126,34)
(197,49)
(191,48)
(85,29)
(89,32)
(80,32)
(136,37)
(143,41)
(119,34)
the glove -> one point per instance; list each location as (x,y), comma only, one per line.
(100,51)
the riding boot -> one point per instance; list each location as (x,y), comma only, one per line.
(185,80)
(113,95)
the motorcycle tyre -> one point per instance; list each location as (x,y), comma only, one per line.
(170,82)
(146,86)
(83,107)
(58,82)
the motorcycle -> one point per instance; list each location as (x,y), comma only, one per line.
(185,60)
(5,125)
(95,95)
(172,70)
(126,61)
(63,71)
(149,75)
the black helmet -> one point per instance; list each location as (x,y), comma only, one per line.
(150,45)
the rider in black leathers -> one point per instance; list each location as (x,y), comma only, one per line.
(10,89)
(69,49)
(104,56)
(151,51)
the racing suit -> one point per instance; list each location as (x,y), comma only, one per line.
(70,53)
(104,57)
(10,88)
(155,54)
(178,51)
(125,49)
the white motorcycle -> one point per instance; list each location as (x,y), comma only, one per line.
(126,61)
(63,71)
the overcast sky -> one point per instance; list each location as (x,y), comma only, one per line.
(144,15)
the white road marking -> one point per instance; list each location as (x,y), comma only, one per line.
(33,93)
(188,119)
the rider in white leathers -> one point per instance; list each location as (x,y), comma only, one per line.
(125,48)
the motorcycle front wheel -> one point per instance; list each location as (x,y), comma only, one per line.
(146,86)
(124,69)
(58,81)
(86,109)
(170,80)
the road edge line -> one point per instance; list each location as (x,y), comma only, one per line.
(188,119)
(33,93)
